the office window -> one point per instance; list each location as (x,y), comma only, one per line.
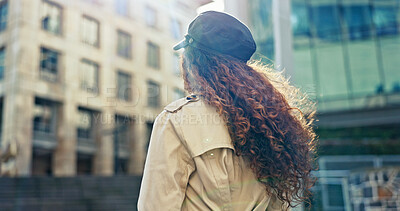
(358,21)
(123,126)
(44,117)
(2,62)
(328,53)
(89,76)
(84,165)
(151,17)
(327,24)
(124,46)
(153,55)
(122,7)
(49,64)
(178,94)
(335,195)
(85,126)
(302,60)
(122,166)
(90,31)
(3,14)
(153,94)
(385,18)
(299,18)
(124,89)
(42,160)
(261,19)
(176,29)
(51,17)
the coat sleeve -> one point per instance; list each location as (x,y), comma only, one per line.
(167,169)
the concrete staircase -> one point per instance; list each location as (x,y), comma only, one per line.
(91,193)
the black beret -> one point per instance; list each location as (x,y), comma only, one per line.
(219,32)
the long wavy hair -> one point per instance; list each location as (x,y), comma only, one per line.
(269,121)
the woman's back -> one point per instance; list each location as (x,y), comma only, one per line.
(242,143)
(192,155)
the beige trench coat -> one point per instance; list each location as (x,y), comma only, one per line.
(191,165)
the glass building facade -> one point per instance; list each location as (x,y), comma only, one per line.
(346,52)
(346,56)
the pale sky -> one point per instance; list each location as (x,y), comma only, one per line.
(217,5)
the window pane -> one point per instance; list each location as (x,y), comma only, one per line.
(48,64)
(89,76)
(90,31)
(261,19)
(331,70)
(153,55)
(3,14)
(386,17)
(51,17)
(361,48)
(303,75)
(326,22)
(358,20)
(153,94)
(2,61)
(335,195)
(333,90)
(124,44)
(303,71)
(85,121)
(124,91)
(299,18)
(85,124)
(84,163)
(391,163)
(44,116)
(390,47)
(349,165)
(364,67)
(122,124)
(327,55)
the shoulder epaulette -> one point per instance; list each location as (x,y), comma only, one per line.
(178,104)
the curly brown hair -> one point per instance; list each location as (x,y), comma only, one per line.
(269,120)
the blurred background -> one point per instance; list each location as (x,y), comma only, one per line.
(81,82)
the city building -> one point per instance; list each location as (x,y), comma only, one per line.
(345,55)
(81,81)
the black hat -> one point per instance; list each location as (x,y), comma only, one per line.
(219,32)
